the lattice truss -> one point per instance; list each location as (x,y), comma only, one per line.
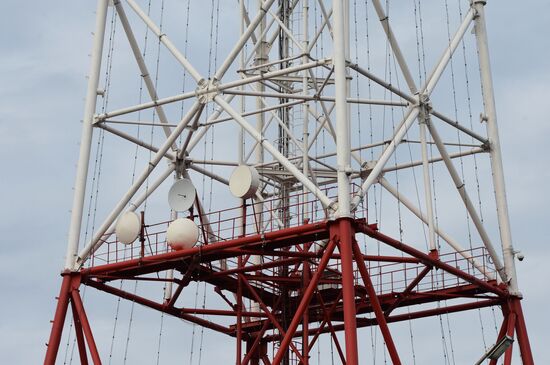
(351,112)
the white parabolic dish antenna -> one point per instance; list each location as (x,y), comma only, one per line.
(182,233)
(244,182)
(128,227)
(181,195)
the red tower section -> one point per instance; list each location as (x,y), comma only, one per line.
(312,279)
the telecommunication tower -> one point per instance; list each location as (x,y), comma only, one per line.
(314,164)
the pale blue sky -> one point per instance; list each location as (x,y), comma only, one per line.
(44,49)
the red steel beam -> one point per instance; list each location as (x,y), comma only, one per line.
(160,307)
(510,332)
(79,337)
(270,315)
(251,349)
(81,314)
(268,265)
(326,317)
(58,320)
(306,274)
(304,303)
(413,298)
(314,255)
(301,233)
(377,308)
(239,307)
(331,328)
(407,290)
(185,280)
(502,331)
(521,329)
(342,229)
(428,260)
(219,312)
(367,322)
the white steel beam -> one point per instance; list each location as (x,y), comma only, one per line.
(86,137)
(325,23)
(326,201)
(343,143)
(494,142)
(96,240)
(221,87)
(316,98)
(458,126)
(407,165)
(427,182)
(243,39)
(133,206)
(150,86)
(444,236)
(461,188)
(404,126)
(447,55)
(382,83)
(163,38)
(134,140)
(384,20)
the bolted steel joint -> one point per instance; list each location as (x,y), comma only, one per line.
(207,90)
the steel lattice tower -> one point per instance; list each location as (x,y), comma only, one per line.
(288,260)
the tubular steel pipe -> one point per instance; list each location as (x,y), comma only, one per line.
(317,229)
(367,322)
(427,181)
(510,333)
(304,303)
(461,188)
(523,338)
(165,40)
(343,157)
(160,307)
(428,260)
(268,313)
(150,86)
(384,20)
(377,308)
(79,337)
(501,334)
(86,137)
(342,229)
(495,152)
(58,320)
(455,245)
(84,253)
(326,201)
(404,126)
(81,313)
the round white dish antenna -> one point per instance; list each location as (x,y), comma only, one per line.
(182,233)
(181,195)
(244,182)
(128,227)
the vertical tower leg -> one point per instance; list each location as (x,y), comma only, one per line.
(523,338)
(343,230)
(58,320)
(86,137)
(495,153)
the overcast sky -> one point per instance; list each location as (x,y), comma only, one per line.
(44,49)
